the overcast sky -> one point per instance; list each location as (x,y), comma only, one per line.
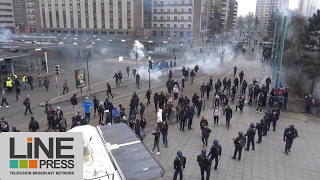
(245,6)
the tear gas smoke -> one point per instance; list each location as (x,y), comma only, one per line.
(5,34)
(137,48)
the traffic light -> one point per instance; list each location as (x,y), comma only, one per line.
(56,69)
(150,64)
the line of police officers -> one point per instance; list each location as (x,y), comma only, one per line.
(290,133)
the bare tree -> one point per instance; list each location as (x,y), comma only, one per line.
(240,22)
(249,19)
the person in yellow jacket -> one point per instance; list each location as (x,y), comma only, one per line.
(24,81)
(9,85)
(15,76)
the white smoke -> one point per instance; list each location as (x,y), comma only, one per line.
(103,51)
(154,74)
(137,48)
(5,34)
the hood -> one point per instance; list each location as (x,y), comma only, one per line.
(114,107)
(74,95)
(86,101)
(160,111)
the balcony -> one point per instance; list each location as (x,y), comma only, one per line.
(171,20)
(168,5)
(171,28)
(172,12)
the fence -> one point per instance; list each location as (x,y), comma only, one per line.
(291,104)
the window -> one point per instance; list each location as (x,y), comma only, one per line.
(154,25)
(168,25)
(175,17)
(189,25)
(161,17)
(182,25)
(168,17)
(155,17)
(161,25)
(189,18)
(155,10)
(175,25)
(175,10)
(168,10)
(182,17)
(161,10)
(182,9)
(189,10)
(155,2)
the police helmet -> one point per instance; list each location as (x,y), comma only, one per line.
(291,125)
(262,120)
(252,124)
(240,133)
(179,153)
(203,152)
(266,113)
(215,142)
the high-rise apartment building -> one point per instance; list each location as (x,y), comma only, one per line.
(227,10)
(88,16)
(31,15)
(307,7)
(19,12)
(178,18)
(6,14)
(265,8)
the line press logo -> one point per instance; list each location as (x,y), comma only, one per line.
(42,155)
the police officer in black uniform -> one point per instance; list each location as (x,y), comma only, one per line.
(239,143)
(215,152)
(267,120)
(179,164)
(290,133)
(261,129)
(251,132)
(204,163)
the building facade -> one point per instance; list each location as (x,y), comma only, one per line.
(6,15)
(177,18)
(265,8)
(31,15)
(307,7)
(19,12)
(228,11)
(88,16)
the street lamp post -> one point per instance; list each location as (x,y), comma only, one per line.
(88,70)
(281,51)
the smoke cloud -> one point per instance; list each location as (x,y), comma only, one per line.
(137,48)
(5,34)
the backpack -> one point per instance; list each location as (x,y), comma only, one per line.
(35,124)
(218,150)
(202,160)
(242,142)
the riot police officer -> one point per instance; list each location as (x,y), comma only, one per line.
(267,120)
(239,143)
(261,129)
(290,133)
(179,164)
(251,132)
(215,152)
(204,163)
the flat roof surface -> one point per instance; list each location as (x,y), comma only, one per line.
(9,55)
(26,46)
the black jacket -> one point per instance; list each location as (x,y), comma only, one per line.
(228,112)
(251,132)
(179,162)
(206,132)
(164,129)
(203,123)
(215,150)
(156,136)
(74,100)
(290,133)
(108,118)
